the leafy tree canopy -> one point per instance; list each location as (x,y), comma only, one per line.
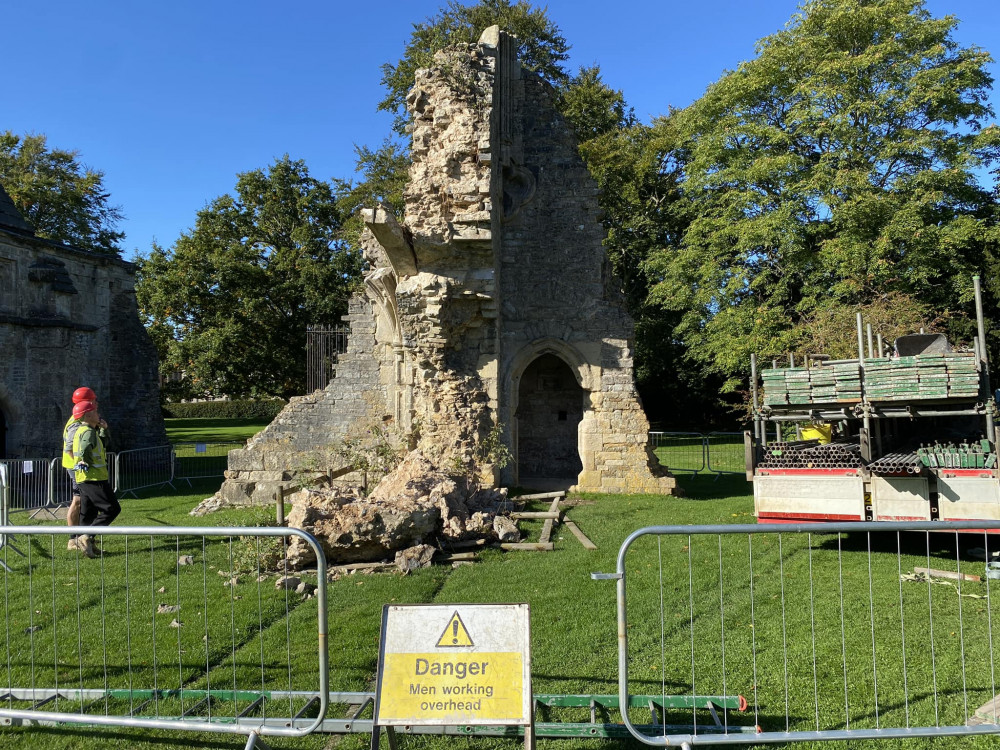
(60,197)
(229,303)
(541,46)
(837,167)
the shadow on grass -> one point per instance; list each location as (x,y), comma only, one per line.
(942,545)
(714,486)
(134,737)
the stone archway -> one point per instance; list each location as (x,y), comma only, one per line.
(550,407)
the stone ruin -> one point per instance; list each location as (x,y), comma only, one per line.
(490,312)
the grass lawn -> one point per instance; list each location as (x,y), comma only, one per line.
(212,430)
(678,624)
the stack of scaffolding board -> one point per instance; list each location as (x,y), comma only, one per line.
(923,376)
(823,384)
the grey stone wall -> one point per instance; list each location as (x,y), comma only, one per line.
(68,318)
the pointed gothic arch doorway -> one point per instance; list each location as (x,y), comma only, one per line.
(550,407)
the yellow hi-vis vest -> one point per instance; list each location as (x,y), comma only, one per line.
(69,432)
(88,447)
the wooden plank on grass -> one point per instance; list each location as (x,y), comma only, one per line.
(455,556)
(535,514)
(552,516)
(953,575)
(531,546)
(587,544)
(546,532)
(541,496)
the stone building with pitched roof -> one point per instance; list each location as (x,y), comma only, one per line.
(68,317)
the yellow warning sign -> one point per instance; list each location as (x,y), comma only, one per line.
(454,665)
(450,688)
(455,634)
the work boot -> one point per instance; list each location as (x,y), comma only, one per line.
(85,544)
(71,544)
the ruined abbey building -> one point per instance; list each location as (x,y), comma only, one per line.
(490,306)
(68,317)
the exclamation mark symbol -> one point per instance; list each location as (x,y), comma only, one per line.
(454,631)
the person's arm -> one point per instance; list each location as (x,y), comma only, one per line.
(83,447)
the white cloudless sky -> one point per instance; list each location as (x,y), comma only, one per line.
(171,100)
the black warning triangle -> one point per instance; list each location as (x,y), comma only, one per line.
(455,634)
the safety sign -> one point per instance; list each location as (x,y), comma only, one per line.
(450,664)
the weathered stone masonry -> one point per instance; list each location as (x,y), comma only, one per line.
(491,303)
(68,318)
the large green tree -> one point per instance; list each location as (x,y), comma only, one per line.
(229,303)
(837,168)
(58,195)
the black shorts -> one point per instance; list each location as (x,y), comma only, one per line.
(72,481)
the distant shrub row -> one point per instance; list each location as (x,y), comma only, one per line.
(264,409)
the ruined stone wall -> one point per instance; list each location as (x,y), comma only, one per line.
(497,261)
(69,318)
(304,436)
(447,309)
(558,294)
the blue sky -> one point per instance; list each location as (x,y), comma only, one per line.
(172,99)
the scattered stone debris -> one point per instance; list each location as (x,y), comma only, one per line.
(415,504)
(287,582)
(412,558)
(176,624)
(506,529)
(308,590)
(185,560)
(163,609)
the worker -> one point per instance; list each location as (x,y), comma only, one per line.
(99,506)
(69,431)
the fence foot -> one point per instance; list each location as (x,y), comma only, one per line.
(254,741)
(48,510)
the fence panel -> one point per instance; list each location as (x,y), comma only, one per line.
(202,460)
(28,482)
(323,347)
(148,635)
(143,467)
(829,631)
(679,451)
(725,452)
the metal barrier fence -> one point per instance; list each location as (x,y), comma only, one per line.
(323,348)
(29,483)
(202,460)
(148,635)
(829,631)
(717,452)
(142,468)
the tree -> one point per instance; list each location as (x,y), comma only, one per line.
(229,303)
(384,172)
(592,107)
(60,197)
(837,167)
(540,45)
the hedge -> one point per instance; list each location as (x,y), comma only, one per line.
(266,409)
